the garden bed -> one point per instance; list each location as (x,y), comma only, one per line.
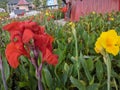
(79,66)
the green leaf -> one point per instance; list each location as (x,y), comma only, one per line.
(58,89)
(85,36)
(6,68)
(64,78)
(92,81)
(66,67)
(84,65)
(74,70)
(99,70)
(90,64)
(93,87)
(2,87)
(77,83)
(65,74)
(47,78)
(23,84)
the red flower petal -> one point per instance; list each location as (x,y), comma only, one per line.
(43,41)
(13,51)
(27,35)
(31,25)
(15,35)
(53,16)
(40,42)
(12,55)
(49,42)
(20,47)
(12,26)
(50,58)
(64,9)
(41,30)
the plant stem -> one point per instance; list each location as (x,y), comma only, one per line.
(76,46)
(115,84)
(76,50)
(3,74)
(38,68)
(39,83)
(108,64)
(39,77)
(108,73)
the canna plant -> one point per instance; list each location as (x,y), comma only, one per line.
(29,39)
(79,67)
(108,42)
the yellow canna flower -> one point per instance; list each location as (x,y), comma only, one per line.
(93,12)
(109,14)
(71,24)
(119,41)
(111,19)
(109,42)
(47,14)
(98,47)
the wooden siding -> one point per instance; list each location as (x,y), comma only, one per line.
(100,6)
(84,7)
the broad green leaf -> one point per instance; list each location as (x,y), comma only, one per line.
(66,67)
(66,72)
(58,89)
(92,81)
(23,84)
(84,65)
(48,78)
(93,87)
(77,83)
(6,68)
(74,71)
(2,87)
(85,36)
(90,64)
(99,70)
(64,78)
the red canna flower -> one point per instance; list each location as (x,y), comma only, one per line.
(27,35)
(64,9)
(21,35)
(12,26)
(49,57)
(50,17)
(13,51)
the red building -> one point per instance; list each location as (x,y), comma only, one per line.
(83,7)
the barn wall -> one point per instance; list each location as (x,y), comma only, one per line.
(84,7)
(100,6)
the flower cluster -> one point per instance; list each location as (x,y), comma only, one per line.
(108,41)
(49,15)
(71,24)
(24,36)
(64,9)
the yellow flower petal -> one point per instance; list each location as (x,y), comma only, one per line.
(118,41)
(113,50)
(108,41)
(98,48)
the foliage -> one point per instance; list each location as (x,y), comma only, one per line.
(37,3)
(3,4)
(88,72)
(3,15)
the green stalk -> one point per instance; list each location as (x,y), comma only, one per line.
(3,74)
(76,50)
(115,84)
(108,64)
(108,73)
(76,46)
